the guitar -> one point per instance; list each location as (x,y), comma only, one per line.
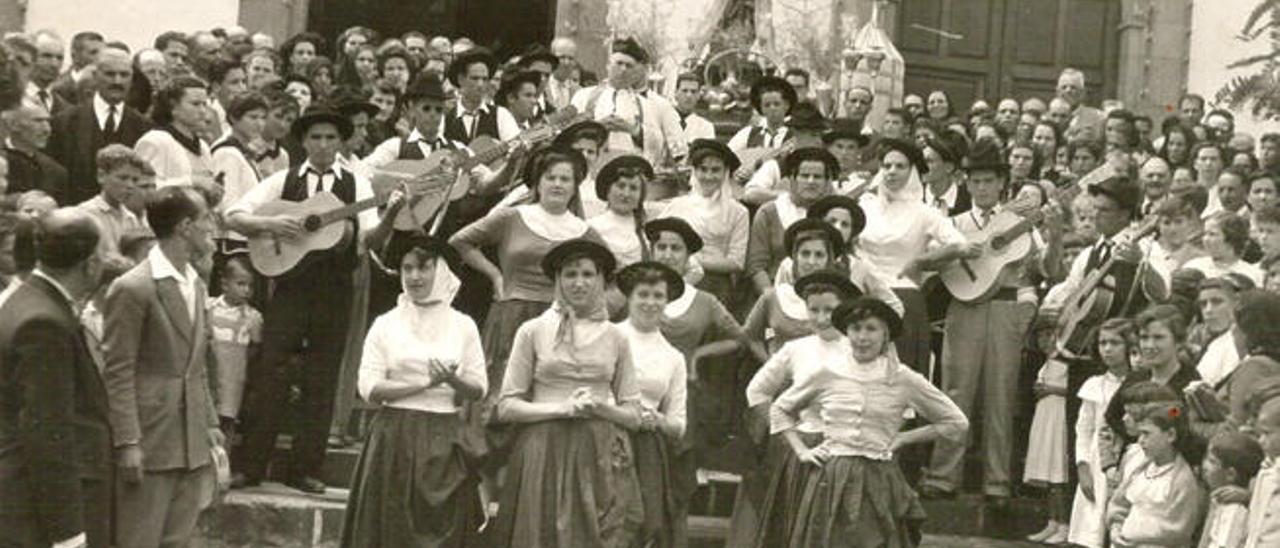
(449,164)
(1087,307)
(1005,240)
(321,215)
(753,158)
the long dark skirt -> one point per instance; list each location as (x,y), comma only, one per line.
(492,443)
(913,344)
(765,506)
(570,482)
(663,519)
(855,502)
(412,486)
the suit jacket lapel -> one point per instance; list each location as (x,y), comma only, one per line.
(175,307)
(89,127)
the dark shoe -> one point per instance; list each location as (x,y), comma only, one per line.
(241,481)
(310,486)
(930,492)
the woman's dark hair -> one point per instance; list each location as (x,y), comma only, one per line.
(340,45)
(1058,137)
(286,49)
(549,159)
(1166,315)
(292,78)
(1130,129)
(1187,135)
(1235,230)
(245,103)
(1037,160)
(390,53)
(1094,147)
(1124,327)
(318,64)
(347,75)
(951,105)
(170,95)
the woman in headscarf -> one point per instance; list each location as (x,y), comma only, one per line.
(854,494)
(713,212)
(764,511)
(897,240)
(412,486)
(661,375)
(571,391)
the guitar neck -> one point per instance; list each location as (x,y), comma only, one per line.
(349,210)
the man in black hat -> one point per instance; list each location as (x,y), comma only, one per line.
(638,121)
(539,60)
(310,305)
(474,115)
(806,127)
(846,142)
(772,98)
(982,344)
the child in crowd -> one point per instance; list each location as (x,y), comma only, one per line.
(237,330)
(1161,503)
(1047,449)
(1116,337)
(1264,504)
(33,204)
(1232,461)
(1118,453)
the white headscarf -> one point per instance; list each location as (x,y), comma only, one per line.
(433,312)
(556,228)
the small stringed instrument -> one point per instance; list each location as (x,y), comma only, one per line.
(1005,240)
(753,158)
(449,164)
(1087,307)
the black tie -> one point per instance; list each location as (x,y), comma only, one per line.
(319,180)
(44,100)
(109,128)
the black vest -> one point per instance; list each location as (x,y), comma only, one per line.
(341,259)
(455,130)
(756,138)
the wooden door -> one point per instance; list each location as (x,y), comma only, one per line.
(1007,47)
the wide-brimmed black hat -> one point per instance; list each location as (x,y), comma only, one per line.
(350,102)
(808,225)
(766,84)
(628,278)
(402,243)
(806,117)
(866,307)
(1119,188)
(701,148)
(631,48)
(595,130)
(579,247)
(791,164)
(538,52)
(845,129)
(535,161)
(908,149)
(819,209)
(611,170)
(321,114)
(831,278)
(692,241)
(426,85)
(511,83)
(985,155)
(467,58)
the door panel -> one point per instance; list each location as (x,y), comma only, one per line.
(973,19)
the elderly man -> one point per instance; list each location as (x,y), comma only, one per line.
(638,122)
(78,133)
(29,167)
(1008,111)
(44,71)
(1086,121)
(55,438)
(205,48)
(560,88)
(1156,178)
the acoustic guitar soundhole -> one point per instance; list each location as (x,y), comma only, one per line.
(312,223)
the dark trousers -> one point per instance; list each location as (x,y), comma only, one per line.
(308,310)
(21,529)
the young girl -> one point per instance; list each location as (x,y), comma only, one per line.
(1115,339)
(1162,502)
(1047,449)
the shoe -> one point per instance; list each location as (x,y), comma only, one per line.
(931,492)
(241,481)
(1058,537)
(307,485)
(1045,533)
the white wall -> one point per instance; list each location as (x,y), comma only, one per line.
(1214,27)
(134,22)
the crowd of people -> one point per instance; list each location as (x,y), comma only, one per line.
(591,299)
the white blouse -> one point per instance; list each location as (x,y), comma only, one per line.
(661,374)
(792,364)
(401,342)
(898,231)
(620,236)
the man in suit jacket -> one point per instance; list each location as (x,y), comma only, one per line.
(29,167)
(44,71)
(70,86)
(155,347)
(79,133)
(55,439)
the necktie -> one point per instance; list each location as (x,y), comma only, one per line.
(986,217)
(44,99)
(319,181)
(109,128)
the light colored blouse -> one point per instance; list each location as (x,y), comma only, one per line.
(863,406)
(1095,395)
(792,364)
(542,370)
(401,342)
(174,164)
(661,374)
(1213,269)
(860,273)
(898,231)
(620,236)
(1165,505)
(1264,507)
(719,220)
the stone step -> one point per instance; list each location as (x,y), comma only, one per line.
(273,516)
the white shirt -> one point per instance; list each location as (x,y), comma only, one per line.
(401,341)
(660,373)
(663,138)
(162,268)
(772,139)
(1220,359)
(389,150)
(174,164)
(697,127)
(507,127)
(33,95)
(899,231)
(1213,269)
(101,109)
(271,189)
(796,361)
(768,177)
(946,201)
